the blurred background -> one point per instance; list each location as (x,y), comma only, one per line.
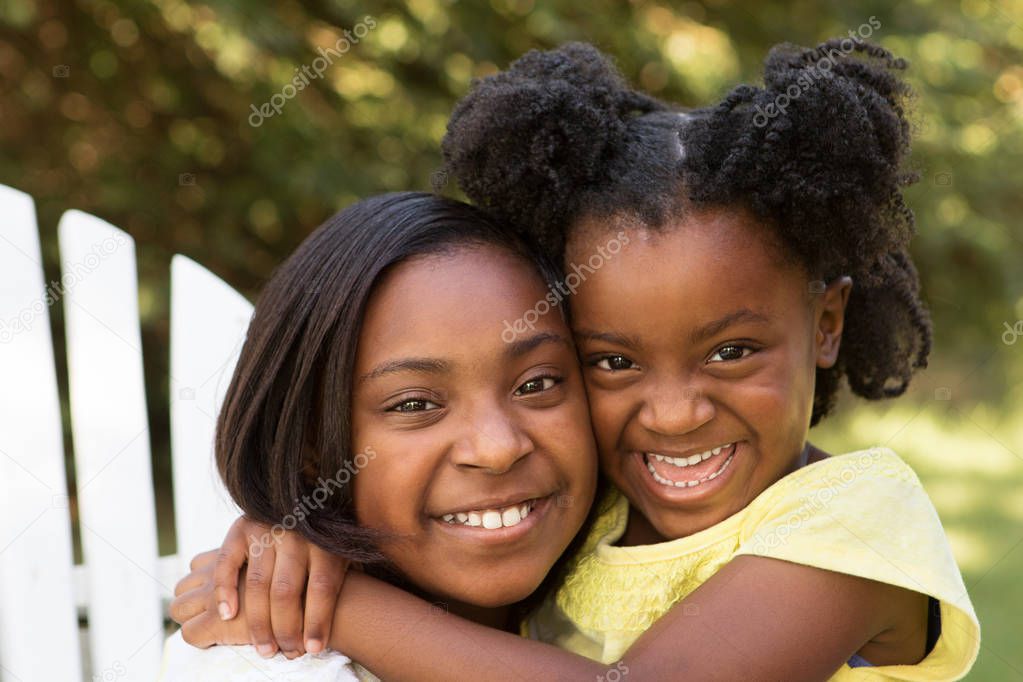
(180,122)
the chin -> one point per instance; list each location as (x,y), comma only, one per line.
(494,592)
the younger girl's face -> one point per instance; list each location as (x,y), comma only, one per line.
(699,348)
(483,464)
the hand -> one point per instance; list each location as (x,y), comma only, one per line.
(281,566)
(194,608)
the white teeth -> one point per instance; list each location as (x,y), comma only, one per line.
(492,519)
(692,459)
(511,516)
(687,484)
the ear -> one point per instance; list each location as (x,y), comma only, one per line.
(830,319)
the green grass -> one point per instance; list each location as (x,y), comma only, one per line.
(971,464)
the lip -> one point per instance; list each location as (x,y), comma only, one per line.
(493,503)
(497,536)
(672,495)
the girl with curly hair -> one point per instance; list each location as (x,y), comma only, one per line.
(730,268)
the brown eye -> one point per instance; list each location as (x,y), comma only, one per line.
(413,405)
(615,363)
(537,385)
(731,352)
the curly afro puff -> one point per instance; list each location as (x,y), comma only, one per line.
(816,153)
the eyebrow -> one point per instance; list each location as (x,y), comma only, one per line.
(438,366)
(711,329)
(608,337)
(419,365)
(701,333)
(521,347)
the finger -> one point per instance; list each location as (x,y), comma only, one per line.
(258,576)
(207,629)
(286,594)
(198,632)
(326,575)
(229,560)
(189,605)
(191,581)
(202,560)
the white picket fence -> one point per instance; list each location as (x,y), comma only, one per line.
(123,587)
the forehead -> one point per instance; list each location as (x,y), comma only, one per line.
(690,271)
(451,304)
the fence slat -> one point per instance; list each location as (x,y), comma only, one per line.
(37,606)
(111,442)
(209,320)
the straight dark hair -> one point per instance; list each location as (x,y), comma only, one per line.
(284,434)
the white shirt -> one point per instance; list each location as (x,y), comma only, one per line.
(183,662)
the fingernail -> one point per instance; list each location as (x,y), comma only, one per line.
(225,610)
(314,646)
(265,650)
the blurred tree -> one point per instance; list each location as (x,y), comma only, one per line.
(153,115)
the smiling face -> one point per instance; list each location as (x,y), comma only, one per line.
(484,461)
(699,348)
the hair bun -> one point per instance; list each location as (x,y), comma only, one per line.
(524,140)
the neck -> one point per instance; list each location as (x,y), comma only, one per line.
(497,617)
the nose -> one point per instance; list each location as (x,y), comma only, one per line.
(674,408)
(493,442)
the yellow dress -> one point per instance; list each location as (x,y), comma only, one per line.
(863,513)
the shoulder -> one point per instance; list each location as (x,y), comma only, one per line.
(862,478)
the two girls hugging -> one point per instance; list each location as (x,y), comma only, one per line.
(625,488)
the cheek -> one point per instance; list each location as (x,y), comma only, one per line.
(609,411)
(777,405)
(388,491)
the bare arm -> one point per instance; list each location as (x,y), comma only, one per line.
(757,618)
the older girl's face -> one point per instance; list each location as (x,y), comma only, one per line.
(484,463)
(699,349)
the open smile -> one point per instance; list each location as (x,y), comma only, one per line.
(676,476)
